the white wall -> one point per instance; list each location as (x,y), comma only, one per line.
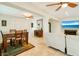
(14,23)
(40,24)
(56,27)
(78,32)
(56,37)
(45,26)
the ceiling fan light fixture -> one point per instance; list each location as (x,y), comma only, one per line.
(64,5)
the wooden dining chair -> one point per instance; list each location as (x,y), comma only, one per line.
(18,38)
(4,42)
(1,41)
(25,36)
(12,40)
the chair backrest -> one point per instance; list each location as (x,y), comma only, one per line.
(1,37)
(1,42)
(24,30)
(24,33)
(18,33)
(12,30)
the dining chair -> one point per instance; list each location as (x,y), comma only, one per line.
(4,43)
(1,41)
(12,40)
(25,36)
(18,38)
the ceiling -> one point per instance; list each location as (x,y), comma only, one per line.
(38,9)
(62,13)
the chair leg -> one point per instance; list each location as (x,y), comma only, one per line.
(0,52)
(17,43)
(5,50)
(14,43)
(20,42)
(11,42)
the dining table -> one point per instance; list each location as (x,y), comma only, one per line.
(8,37)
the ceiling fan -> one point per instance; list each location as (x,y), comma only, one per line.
(61,4)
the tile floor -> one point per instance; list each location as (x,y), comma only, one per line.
(40,49)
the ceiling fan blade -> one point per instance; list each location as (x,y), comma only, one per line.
(57,3)
(53,4)
(72,5)
(58,8)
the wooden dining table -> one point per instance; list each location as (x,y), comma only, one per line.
(8,36)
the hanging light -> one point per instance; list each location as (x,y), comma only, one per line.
(28,15)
